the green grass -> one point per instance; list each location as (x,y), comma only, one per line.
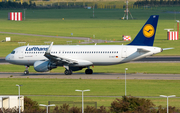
(31,40)
(160,68)
(98,88)
(102,29)
(107,26)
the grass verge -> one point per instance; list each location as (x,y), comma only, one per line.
(151,88)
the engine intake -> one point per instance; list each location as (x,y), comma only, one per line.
(44,66)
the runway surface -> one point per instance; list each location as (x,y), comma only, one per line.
(2,60)
(93,76)
(175,59)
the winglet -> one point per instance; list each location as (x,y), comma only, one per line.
(50,47)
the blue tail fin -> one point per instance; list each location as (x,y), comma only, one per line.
(146,35)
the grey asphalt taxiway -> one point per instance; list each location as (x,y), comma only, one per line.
(93,76)
(175,59)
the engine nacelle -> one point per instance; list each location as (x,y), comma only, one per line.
(44,66)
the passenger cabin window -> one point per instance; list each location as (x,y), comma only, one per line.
(13,52)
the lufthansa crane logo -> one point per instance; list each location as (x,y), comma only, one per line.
(148,30)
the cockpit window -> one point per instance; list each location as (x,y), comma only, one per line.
(13,52)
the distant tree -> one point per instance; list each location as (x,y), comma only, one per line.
(75,110)
(170,108)
(102,109)
(31,106)
(64,108)
(25,5)
(90,109)
(161,2)
(132,104)
(34,4)
(168,2)
(175,2)
(146,2)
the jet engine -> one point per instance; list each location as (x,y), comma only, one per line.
(44,66)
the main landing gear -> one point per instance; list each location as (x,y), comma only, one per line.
(68,72)
(89,71)
(26,72)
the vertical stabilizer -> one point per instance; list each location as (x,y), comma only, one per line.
(146,35)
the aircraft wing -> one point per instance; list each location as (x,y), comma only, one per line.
(65,60)
(54,58)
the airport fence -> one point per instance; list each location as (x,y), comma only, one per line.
(71,104)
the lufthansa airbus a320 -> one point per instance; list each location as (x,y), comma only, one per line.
(77,57)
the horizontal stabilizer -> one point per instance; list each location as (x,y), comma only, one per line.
(142,50)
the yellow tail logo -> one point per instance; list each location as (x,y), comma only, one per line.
(148,30)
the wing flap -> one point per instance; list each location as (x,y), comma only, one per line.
(54,58)
(75,62)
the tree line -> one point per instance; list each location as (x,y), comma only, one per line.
(18,5)
(157,3)
(128,104)
(9,5)
(145,3)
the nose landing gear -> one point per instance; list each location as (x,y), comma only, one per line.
(26,72)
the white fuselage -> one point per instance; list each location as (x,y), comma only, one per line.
(97,54)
